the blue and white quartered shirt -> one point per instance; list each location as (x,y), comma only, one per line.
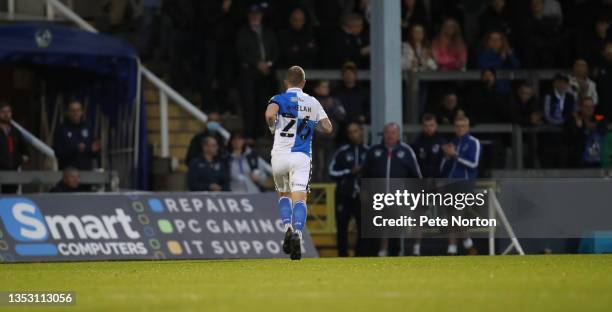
(297,118)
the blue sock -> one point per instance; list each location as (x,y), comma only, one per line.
(284,209)
(299,216)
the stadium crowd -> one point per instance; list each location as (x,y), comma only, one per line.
(226,53)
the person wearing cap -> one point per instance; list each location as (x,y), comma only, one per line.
(258,53)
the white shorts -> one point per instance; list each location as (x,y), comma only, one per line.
(291,172)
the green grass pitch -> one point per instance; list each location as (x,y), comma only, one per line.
(480,283)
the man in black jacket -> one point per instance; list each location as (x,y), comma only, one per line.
(74,142)
(211,128)
(70,182)
(351,43)
(345,168)
(488,106)
(388,160)
(13,150)
(297,43)
(428,149)
(258,54)
(208,172)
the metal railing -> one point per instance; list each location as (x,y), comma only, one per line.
(104,180)
(165,91)
(515,131)
(37,143)
(413,83)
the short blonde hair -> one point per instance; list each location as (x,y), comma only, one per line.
(295,75)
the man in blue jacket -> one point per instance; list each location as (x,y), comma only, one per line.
(208,172)
(460,166)
(388,160)
(345,169)
(75,144)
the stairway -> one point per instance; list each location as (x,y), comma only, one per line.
(181,127)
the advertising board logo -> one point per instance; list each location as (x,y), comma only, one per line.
(25,224)
(43,38)
(75,235)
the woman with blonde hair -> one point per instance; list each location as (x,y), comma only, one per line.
(448,47)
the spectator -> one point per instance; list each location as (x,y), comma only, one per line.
(148,28)
(352,96)
(541,39)
(220,21)
(327,13)
(70,182)
(184,49)
(258,54)
(13,150)
(298,44)
(74,142)
(416,52)
(245,166)
(413,13)
(527,113)
(428,147)
(496,18)
(449,49)
(584,135)
(345,168)
(525,109)
(604,82)
(580,83)
(559,105)
(211,128)
(497,54)
(364,9)
(388,160)
(449,109)
(460,163)
(208,172)
(351,43)
(486,103)
(591,43)
(326,143)
(280,10)
(552,10)
(332,105)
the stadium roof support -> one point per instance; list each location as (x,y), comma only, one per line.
(385,56)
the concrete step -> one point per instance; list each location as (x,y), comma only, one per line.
(176,124)
(173,111)
(176,138)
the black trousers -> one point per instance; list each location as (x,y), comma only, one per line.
(346,207)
